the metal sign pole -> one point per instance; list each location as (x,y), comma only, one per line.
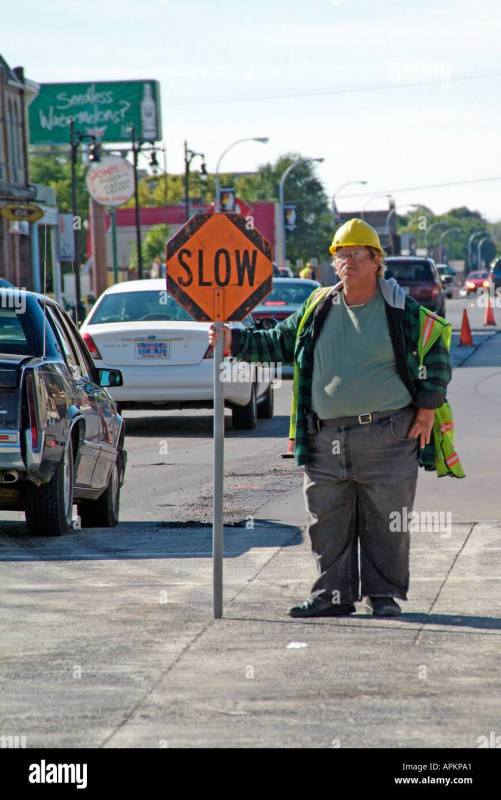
(217,523)
(218,289)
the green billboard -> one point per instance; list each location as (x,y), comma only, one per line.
(103,109)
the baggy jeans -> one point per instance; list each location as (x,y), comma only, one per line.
(359,480)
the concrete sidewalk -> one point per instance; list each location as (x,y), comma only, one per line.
(257,678)
(107,637)
(121,650)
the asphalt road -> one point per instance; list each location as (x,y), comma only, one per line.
(475,306)
(107,637)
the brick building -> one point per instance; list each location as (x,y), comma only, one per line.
(15,247)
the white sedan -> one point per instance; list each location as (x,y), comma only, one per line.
(164,355)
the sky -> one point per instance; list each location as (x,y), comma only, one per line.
(402,94)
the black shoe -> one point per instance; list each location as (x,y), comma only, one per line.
(384,607)
(321,607)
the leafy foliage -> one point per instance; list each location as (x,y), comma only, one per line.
(455,244)
(152,246)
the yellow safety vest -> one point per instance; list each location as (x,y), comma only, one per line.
(431,327)
(447,462)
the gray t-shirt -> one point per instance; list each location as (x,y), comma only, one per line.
(354,369)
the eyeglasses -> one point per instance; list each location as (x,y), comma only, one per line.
(356,253)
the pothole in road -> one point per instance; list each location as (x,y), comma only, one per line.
(244,494)
(194,523)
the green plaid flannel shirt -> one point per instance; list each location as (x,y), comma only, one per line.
(281,345)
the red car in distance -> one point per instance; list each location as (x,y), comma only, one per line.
(476,282)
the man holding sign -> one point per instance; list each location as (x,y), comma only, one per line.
(363,410)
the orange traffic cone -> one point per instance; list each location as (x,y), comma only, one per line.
(465,338)
(290,450)
(489,312)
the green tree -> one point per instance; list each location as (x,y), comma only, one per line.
(155,242)
(55,171)
(152,246)
(420,220)
(314,226)
(160,190)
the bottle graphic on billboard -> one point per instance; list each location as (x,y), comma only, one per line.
(148,115)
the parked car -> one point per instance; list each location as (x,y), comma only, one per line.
(285,272)
(495,275)
(476,282)
(164,356)
(287,295)
(419,277)
(61,438)
(447,275)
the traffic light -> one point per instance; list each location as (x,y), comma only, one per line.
(94,154)
(153,159)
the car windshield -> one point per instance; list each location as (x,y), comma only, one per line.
(14,337)
(289,294)
(409,271)
(477,275)
(138,307)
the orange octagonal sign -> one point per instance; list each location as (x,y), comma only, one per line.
(218,267)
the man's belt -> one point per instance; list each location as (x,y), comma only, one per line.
(361,419)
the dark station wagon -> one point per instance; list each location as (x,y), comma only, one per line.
(61,437)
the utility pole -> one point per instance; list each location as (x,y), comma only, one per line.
(76,137)
(189,155)
(136,146)
(74,141)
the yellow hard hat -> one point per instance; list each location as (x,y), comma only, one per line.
(356,233)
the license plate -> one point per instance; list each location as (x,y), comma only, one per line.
(152,350)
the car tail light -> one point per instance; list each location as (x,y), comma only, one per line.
(274,303)
(32,410)
(422,292)
(435,291)
(91,345)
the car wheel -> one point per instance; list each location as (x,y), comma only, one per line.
(103,512)
(265,407)
(245,417)
(49,508)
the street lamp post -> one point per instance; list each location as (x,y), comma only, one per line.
(76,137)
(76,264)
(389,216)
(428,231)
(262,139)
(479,250)
(136,147)
(442,237)
(189,155)
(339,189)
(281,238)
(470,246)
(374,197)
(395,208)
